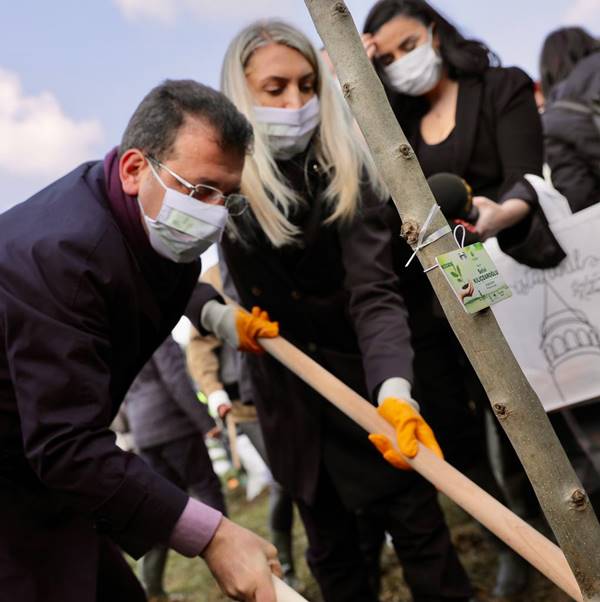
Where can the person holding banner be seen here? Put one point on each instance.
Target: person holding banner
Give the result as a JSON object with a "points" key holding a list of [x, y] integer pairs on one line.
{"points": [[314, 250]]}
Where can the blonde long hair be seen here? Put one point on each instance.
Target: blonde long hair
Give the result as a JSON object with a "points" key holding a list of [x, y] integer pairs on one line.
{"points": [[340, 149]]}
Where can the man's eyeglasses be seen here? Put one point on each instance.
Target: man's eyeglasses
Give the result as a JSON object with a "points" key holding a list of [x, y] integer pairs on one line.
{"points": [[235, 203]]}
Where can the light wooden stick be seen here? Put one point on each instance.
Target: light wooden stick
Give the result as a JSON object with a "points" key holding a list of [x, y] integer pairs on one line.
{"points": [[232, 435], [545, 556]]}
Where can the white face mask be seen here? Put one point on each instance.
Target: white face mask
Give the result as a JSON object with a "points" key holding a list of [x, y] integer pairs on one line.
{"points": [[184, 227], [418, 72], [289, 130]]}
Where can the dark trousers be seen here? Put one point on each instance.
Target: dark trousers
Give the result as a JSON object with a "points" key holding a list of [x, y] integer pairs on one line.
{"points": [[420, 535], [186, 463]]}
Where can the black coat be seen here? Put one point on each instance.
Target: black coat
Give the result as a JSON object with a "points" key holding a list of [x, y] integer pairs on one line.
{"points": [[572, 140], [498, 139], [80, 313], [335, 296]]}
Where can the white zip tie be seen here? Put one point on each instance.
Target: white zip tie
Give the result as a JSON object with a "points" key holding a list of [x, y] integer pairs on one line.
{"points": [[431, 238], [435, 236]]}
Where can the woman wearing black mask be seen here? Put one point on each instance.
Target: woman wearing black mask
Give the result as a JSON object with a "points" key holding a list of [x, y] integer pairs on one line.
{"points": [[465, 115]]}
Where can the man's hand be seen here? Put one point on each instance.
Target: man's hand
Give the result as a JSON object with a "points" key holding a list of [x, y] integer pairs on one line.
{"points": [[214, 433], [242, 563], [223, 410], [411, 430]]}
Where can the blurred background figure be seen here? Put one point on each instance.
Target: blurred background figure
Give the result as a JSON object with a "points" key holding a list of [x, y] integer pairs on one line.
{"points": [[168, 425], [221, 374], [570, 79]]}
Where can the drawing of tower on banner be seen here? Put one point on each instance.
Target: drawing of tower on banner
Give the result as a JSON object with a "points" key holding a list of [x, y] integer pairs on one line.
{"points": [[570, 343]]}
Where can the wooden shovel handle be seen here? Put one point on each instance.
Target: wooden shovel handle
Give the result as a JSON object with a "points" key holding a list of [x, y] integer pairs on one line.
{"points": [[285, 593], [544, 555]]}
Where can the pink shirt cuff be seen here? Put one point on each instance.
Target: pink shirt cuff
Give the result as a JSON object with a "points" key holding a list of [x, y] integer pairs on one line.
{"points": [[195, 528]]}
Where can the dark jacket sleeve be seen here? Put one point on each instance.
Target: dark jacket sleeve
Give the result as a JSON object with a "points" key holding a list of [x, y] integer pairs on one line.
{"points": [[170, 365], [520, 148], [573, 154], [518, 128], [59, 354], [244, 378], [201, 294], [376, 306]]}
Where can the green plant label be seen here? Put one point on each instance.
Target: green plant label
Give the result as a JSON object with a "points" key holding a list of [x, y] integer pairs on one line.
{"points": [[474, 278]]}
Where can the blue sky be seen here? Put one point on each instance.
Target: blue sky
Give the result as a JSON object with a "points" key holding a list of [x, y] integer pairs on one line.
{"points": [[72, 71]]}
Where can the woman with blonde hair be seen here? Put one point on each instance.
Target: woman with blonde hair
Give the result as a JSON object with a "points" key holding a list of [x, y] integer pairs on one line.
{"points": [[314, 250]]}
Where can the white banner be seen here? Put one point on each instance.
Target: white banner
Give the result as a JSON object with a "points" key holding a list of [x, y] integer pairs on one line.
{"points": [[552, 321]]}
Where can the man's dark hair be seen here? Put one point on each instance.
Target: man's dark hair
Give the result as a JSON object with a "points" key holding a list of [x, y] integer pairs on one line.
{"points": [[562, 50], [155, 123]]}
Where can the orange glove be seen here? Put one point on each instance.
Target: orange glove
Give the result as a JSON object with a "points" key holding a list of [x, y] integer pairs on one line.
{"points": [[411, 430], [251, 326]]}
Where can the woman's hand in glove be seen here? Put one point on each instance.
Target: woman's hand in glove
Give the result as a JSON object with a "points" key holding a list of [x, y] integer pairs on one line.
{"points": [[237, 327], [411, 430], [251, 326]]}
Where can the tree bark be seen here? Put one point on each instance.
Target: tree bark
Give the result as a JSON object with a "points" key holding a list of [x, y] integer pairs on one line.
{"points": [[515, 404]]}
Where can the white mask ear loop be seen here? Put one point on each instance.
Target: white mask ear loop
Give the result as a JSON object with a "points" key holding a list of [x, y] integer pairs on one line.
{"points": [[155, 173]]}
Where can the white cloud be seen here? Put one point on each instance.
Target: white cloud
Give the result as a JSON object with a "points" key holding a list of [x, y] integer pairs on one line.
{"points": [[583, 12], [168, 11], [164, 11], [36, 137]]}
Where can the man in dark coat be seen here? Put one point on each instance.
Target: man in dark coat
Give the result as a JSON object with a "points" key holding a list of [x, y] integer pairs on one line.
{"points": [[95, 271], [168, 424]]}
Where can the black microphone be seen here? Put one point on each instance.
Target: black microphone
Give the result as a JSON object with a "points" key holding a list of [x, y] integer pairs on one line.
{"points": [[454, 196]]}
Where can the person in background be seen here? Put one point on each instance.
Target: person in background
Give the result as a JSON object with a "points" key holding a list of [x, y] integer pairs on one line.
{"points": [[315, 251], [570, 78], [95, 271], [221, 374], [464, 115], [168, 425]]}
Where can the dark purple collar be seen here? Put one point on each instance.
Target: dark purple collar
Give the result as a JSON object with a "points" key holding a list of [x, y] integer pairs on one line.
{"points": [[125, 208]]}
